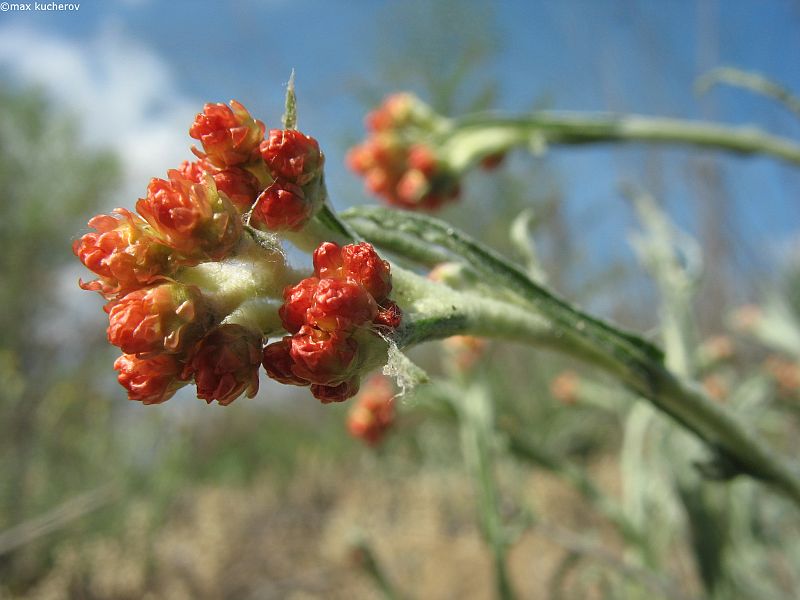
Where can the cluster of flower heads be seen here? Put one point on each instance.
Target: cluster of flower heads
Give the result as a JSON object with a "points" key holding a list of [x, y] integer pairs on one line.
{"points": [[373, 414], [327, 316], [172, 332], [396, 162]]}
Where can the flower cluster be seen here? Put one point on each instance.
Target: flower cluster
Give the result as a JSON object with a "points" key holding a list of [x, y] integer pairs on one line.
{"points": [[332, 318], [396, 161], [373, 415], [170, 325], [277, 177]]}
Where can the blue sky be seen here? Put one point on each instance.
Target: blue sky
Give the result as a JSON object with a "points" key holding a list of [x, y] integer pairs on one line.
{"points": [[136, 71]]}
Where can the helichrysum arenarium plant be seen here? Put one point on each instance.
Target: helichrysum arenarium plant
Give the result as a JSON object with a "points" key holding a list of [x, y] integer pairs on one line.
{"points": [[200, 290]]}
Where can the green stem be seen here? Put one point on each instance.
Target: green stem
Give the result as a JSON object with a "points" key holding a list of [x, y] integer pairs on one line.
{"points": [[476, 424], [435, 311], [478, 136]]}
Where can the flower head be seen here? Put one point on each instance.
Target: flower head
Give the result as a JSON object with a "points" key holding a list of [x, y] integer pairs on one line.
{"points": [[361, 263], [565, 387], [283, 206], [163, 318], [229, 135], [297, 299], [398, 161], [335, 393], [322, 357], [396, 110], [239, 185], [193, 218], [278, 362], [123, 252], [292, 156], [328, 260], [346, 299], [150, 380], [341, 305], [225, 364], [389, 315], [374, 413]]}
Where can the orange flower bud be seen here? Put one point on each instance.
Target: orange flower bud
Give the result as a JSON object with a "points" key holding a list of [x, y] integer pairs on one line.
{"points": [[328, 260], [374, 413], [225, 364], [230, 136], [340, 305], [335, 393], [150, 380], [239, 185], [292, 156], [564, 388], [163, 318], [465, 350], [278, 362], [361, 263], [122, 252], [193, 218], [322, 357], [297, 299], [395, 111], [389, 315], [283, 206], [422, 158]]}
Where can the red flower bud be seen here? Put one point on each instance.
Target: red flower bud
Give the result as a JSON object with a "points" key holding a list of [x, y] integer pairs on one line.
{"points": [[239, 185], [359, 158], [192, 217], [297, 299], [225, 364], [492, 161], [230, 137], [395, 111], [322, 357], [413, 188], [361, 263], [389, 315], [328, 260], [422, 158], [150, 380], [278, 362], [374, 414], [292, 156], [122, 252], [335, 393], [341, 305], [464, 350], [166, 317], [283, 206], [195, 171]]}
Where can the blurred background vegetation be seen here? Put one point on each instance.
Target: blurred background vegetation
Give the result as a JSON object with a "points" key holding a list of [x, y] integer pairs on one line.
{"points": [[583, 493]]}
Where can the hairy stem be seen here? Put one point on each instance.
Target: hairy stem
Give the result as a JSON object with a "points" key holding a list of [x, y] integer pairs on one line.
{"points": [[478, 136], [434, 311]]}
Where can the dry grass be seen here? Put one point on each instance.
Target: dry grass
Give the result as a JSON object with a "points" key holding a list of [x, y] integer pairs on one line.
{"points": [[258, 542]]}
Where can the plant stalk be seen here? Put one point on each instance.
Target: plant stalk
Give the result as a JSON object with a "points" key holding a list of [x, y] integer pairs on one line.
{"points": [[434, 311], [477, 136]]}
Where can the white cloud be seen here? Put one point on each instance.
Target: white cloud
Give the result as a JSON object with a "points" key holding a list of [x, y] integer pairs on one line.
{"points": [[122, 91], [126, 99]]}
